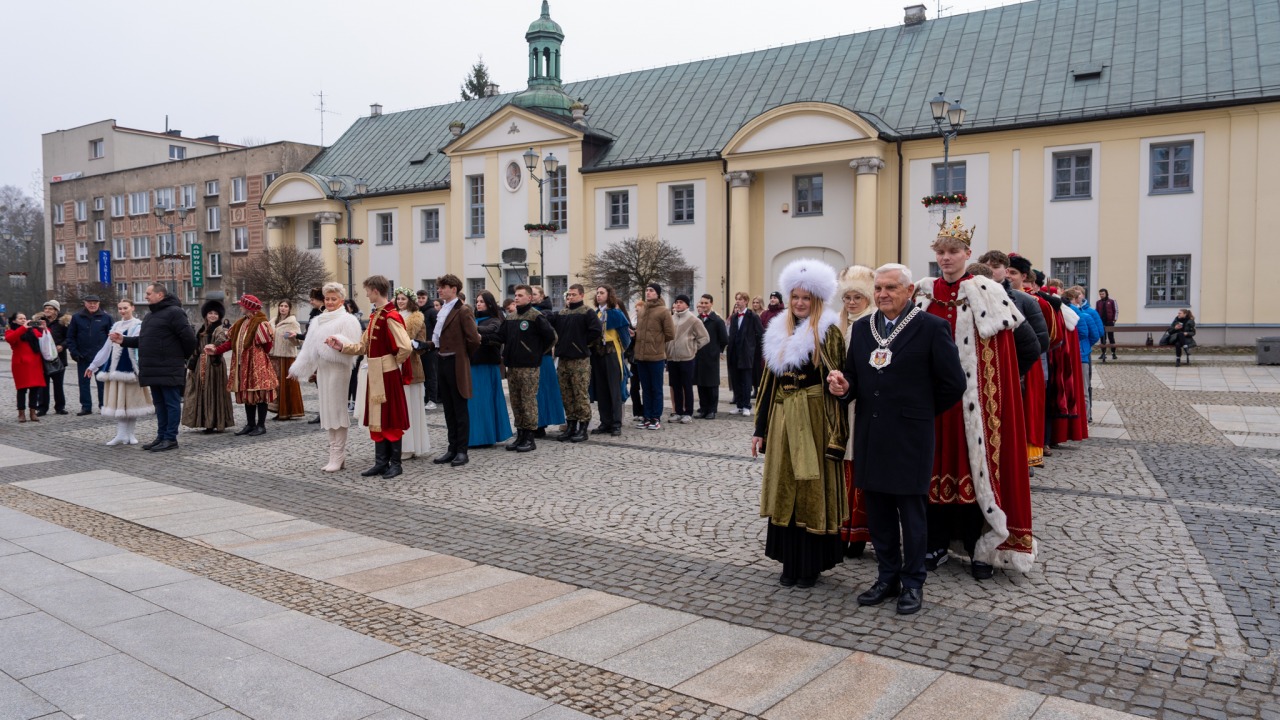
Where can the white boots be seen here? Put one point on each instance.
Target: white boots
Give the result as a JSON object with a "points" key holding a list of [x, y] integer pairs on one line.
{"points": [[132, 427], [124, 432], [337, 450]]}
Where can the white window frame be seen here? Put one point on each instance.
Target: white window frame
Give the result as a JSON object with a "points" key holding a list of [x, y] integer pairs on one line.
{"points": [[558, 199], [166, 244], [163, 197], [213, 266], [268, 178], [97, 149], [239, 239], [139, 203], [98, 204], [59, 214], [122, 289], [82, 210], [189, 291], [213, 219], [385, 227], [119, 206], [431, 225], [60, 254], [682, 205], [475, 206], [188, 196], [140, 291], [82, 251], [211, 188], [177, 152], [141, 247], [618, 204], [238, 190], [808, 195], [189, 238], [119, 248], [99, 231]]}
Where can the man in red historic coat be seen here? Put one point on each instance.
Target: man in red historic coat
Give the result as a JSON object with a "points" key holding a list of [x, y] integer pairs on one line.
{"points": [[1036, 392], [1074, 424], [385, 345], [980, 492], [1059, 382]]}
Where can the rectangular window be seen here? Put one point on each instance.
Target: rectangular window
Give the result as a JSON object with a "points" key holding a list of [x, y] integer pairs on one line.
{"points": [[240, 239], [386, 224], [237, 190], [60, 254], [17, 281], [1072, 271], [188, 239], [619, 209], [682, 283], [1171, 167], [213, 219], [99, 230], [681, 204], [475, 286], [188, 196], [58, 216], [164, 198], [177, 152], [117, 206], [1168, 280], [213, 267], [97, 149], [1073, 175], [557, 286], [314, 241], [139, 203], [269, 178], [957, 182], [98, 204], [559, 208], [122, 289], [189, 291], [808, 193], [141, 247], [119, 248], [82, 252], [475, 200], [140, 292], [166, 245], [210, 188], [430, 287], [431, 226], [82, 211]]}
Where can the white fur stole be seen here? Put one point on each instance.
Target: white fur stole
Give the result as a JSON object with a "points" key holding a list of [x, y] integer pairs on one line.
{"points": [[783, 352]]}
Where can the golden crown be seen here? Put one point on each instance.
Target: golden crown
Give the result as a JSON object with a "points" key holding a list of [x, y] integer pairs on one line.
{"points": [[955, 230]]}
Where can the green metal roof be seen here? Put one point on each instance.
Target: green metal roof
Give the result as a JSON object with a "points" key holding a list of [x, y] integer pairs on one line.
{"points": [[1011, 66]]}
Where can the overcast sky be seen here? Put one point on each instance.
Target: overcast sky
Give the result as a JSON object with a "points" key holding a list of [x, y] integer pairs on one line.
{"points": [[251, 69]]}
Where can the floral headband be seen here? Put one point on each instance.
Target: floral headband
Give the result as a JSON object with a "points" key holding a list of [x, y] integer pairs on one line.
{"points": [[405, 292]]}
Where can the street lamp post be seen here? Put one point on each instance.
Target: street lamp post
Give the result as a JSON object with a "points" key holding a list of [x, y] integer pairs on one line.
{"points": [[174, 258], [551, 165], [954, 113], [342, 187]]}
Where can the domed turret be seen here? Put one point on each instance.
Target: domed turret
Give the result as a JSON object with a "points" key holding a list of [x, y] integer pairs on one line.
{"points": [[545, 90]]}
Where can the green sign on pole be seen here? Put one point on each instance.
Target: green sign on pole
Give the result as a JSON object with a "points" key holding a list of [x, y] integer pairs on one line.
{"points": [[197, 265]]}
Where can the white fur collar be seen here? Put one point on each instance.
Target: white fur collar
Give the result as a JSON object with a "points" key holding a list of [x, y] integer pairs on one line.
{"points": [[992, 309], [1070, 316], [783, 352]]}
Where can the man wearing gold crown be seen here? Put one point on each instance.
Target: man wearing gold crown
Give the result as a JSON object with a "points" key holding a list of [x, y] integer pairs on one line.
{"points": [[980, 493]]}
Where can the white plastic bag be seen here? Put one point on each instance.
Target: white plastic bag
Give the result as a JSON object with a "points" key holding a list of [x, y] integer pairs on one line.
{"points": [[47, 347]]}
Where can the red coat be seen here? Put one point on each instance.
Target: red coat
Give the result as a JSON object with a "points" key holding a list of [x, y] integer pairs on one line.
{"points": [[28, 365]]}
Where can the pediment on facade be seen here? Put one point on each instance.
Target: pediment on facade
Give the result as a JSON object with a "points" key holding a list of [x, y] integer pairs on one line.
{"points": [[511, 127], [295, 187], [798, 125]]}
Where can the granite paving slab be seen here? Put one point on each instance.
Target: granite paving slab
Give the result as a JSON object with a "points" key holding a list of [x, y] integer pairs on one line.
{"points": [[310, 642], [10, 606], [684, 652], [15, 525], [403, 573], [252, 685], [955, 697], [208, 603], [173, 644], [860, 687], [130, 572], [119, 687], [757, 678], [37, 643], [19, 702], [553, 616], [358, 562], [597, 640], [498, 600], [441, 587], [295, 557], [85, 602], [66, 547], [12, 456]]}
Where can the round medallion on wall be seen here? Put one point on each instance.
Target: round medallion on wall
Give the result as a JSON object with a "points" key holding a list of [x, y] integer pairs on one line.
{"points": [[515, 176]]}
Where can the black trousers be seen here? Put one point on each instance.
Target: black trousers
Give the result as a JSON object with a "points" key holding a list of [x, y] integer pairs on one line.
{"points": [[457, 419], [680, 377], [59, 395], [431, 368], [741, 381], [606, 381], [887, 516], [708, 398], [637, 400], [955, 522], [28, 393]]}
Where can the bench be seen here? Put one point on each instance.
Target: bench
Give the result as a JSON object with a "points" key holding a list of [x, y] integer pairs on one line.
{"points": [[1151, 331]]}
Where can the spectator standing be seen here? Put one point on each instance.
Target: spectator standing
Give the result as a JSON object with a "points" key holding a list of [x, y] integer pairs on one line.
{"points": [[487, 406], [164, 343], [1108, 311], [26, 363], [117, 368], [1090, 331], [745, 334], [654, 329], [608, 378], [690, 336], [55, 323], [86, 334], [637, 396], [857, 300], [706, 371], [286, 339]]}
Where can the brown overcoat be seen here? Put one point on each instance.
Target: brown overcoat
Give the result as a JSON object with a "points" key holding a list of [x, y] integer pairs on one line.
{"points": [[460, 337]]}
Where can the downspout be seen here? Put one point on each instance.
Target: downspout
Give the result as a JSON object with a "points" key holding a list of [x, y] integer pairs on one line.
{"points": [[728, 249], [901, 179]]}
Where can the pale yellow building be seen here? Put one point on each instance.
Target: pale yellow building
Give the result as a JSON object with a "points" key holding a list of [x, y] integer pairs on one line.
{"points": [[1125, 146]]}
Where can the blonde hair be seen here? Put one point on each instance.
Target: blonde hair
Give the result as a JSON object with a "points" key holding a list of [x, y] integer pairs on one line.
{"points": [[336, 288], [815, 314]]}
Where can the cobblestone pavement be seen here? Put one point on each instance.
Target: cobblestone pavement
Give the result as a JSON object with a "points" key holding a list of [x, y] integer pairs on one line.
{"points": [[1154, 593]]}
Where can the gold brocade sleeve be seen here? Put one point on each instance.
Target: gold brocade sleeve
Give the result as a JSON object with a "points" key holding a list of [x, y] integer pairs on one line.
{"points": [[837, 420], [400, 337]]}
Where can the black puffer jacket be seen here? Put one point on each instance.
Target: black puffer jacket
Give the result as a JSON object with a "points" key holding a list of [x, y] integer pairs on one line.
{"points": [[491, 339], [526, 338], [164, 344]]}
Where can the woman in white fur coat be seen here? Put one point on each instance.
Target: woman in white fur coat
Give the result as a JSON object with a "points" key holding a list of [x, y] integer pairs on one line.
{"points": [[117, 368], [331, 369]]}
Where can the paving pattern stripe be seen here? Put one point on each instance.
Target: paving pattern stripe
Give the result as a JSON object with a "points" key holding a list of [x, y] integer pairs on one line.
{"points": [[565, 682]]}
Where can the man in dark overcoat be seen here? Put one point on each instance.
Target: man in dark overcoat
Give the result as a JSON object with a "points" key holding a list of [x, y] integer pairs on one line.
{"points": [[902, 369], [706, 366], [745, 334]]}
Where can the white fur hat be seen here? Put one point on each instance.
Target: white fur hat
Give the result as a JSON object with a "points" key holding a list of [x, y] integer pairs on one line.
{"points": [[858, 278], [813, 276]]}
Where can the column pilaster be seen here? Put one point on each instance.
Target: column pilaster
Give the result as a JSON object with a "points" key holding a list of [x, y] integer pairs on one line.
{"points": [[865, 203], [739, 231]]}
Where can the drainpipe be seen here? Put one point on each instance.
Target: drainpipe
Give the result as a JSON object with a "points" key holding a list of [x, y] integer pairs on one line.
{"points": [[728, 251], [901, 179]]}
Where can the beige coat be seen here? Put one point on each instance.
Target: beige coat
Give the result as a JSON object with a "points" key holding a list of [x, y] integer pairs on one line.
{"points": [[282, 346], [691, 335], [654, 329]]}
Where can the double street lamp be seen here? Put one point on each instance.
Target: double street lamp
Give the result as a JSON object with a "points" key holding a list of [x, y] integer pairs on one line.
{"points": [[342, 187], [953, 113], [174, 257], [551, 165]]}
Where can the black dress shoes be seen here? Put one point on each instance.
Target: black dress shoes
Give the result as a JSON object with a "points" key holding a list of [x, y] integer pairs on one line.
{"points": [[259, 430], [616, 431], [806, 581], [165, 445], [786, 580], [981, 571], [447, 457], [459, 459], [314, 422], [152, 444], [245, 430], [709, 416], [855, 549], [910, 600], [879, 592]]}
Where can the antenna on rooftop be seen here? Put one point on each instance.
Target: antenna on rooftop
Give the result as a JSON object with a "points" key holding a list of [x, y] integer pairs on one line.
{"points": [[941, 9], [320, 108]]}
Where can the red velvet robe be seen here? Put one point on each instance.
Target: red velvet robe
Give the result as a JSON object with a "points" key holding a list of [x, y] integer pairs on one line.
{"points": [[1004, 434], [377, 341], [1076, 425]]}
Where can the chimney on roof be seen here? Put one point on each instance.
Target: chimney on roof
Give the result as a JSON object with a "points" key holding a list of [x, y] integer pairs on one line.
{"points": [[375, 110], [914, 15], [209, 138], [173, 133]]}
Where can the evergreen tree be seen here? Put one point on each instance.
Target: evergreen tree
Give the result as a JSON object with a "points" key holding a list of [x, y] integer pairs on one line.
{"points": [[475, 84]]}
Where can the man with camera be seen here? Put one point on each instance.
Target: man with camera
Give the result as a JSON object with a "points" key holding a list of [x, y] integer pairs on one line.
{"points": [[53, 319]]}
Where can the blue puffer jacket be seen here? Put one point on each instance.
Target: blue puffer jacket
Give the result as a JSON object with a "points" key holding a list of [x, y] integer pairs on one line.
{"points": [[1089, 328]]}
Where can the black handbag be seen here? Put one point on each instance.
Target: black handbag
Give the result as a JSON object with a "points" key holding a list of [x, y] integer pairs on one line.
{"points": [[1166, 338], [52, 367]]}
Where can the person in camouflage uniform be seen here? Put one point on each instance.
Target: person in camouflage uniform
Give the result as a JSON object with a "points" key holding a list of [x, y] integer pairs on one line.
{"points": [[577, 334], [526, 337]]}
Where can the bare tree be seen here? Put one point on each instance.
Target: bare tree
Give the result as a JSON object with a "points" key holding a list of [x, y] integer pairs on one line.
{"points": [[22, 249], [630, 265], [285, 273], [72, 295]]}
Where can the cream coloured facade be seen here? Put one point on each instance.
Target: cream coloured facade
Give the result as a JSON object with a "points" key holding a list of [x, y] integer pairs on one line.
{"points": [[1162, 208]]}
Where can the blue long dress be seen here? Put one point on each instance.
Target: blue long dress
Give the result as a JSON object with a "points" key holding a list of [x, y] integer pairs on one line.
{"points": [[487, 404], [550, 404]]}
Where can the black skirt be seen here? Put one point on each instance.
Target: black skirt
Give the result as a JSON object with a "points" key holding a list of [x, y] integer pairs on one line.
{"points": [[802, 553]]}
